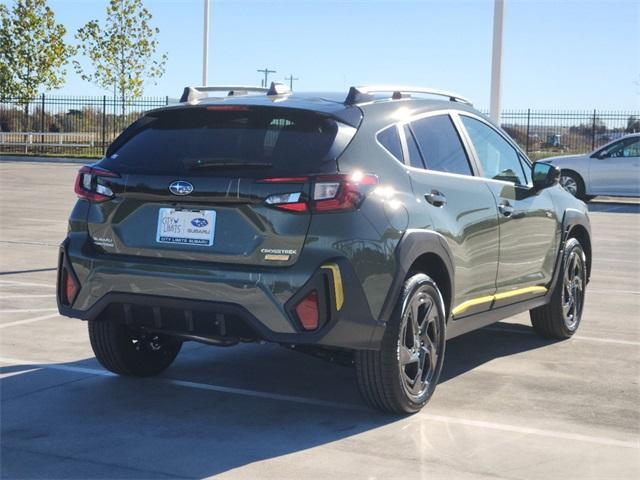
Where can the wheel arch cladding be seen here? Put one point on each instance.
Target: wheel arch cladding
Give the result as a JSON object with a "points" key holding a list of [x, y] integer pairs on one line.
{"points": [[427, 252], [575, 224], [434, 267], [582, 235]]}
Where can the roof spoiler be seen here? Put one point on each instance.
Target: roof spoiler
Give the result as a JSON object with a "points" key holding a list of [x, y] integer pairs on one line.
{"points": [[365, 93], [191, 94]]}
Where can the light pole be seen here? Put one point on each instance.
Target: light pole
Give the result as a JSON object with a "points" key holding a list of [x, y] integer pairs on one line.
{"points": [[291, 78], [205, 44], [496, 62]]}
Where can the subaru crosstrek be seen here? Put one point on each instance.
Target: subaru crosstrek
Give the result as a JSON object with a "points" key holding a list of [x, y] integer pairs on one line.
{"points": [[371, 228]]}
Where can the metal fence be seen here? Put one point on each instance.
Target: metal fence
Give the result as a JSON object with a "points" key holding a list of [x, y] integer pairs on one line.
{"points": [[62, 125], [543, 133]]}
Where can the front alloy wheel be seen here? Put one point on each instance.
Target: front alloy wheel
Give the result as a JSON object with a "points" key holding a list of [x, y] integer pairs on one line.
{"points": [[573, 290], [573, 183], [561, 317], [569, 183]]}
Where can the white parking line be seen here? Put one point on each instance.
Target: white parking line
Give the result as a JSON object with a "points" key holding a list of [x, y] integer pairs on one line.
{"points": [[12, 374], [199, 386], [13, 283], [533, 431], [576, 337], [11, 297], [28, 320], [28, 310], [323, 403], [612, 290]]}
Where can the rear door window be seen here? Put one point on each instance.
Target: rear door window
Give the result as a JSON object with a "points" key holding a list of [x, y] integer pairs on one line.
{"points": [[208, 140], [440, 145]]}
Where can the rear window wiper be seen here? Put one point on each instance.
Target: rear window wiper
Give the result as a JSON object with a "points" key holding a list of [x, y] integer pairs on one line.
{"points": [[214, 165]]}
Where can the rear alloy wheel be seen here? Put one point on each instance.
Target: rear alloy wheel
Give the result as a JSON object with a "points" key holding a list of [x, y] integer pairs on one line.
{"points": [[403, 374], [561, 316], [132, 353]]}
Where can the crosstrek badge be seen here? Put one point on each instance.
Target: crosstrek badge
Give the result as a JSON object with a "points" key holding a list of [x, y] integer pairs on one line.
{"points": [[277, 254]]}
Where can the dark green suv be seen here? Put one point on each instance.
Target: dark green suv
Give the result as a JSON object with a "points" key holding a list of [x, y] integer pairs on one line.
{"points": [[371, 228]]}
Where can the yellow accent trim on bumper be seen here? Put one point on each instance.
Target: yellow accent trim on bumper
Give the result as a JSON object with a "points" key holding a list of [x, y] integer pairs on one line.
{"points": [[337, 283], [464, 306]]}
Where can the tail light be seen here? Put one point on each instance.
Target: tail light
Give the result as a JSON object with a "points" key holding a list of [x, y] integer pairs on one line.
{"points": [[330, 193], [288, 201], [88, 187], [307, 311], [339, 193]]}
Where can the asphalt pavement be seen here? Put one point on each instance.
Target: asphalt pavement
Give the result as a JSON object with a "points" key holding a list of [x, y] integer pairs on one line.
{"points": [[509, 404]]}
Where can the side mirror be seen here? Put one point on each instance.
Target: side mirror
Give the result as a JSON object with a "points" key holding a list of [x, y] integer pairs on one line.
{"points": [[544, 175]]}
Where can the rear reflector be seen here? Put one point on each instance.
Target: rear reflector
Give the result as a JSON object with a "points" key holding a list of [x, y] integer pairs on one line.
{"points": [[70, 289], [307, 311]]}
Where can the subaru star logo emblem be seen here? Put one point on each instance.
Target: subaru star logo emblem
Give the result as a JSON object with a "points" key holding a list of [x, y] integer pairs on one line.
{"points": [[199, 222], [181, 188]]}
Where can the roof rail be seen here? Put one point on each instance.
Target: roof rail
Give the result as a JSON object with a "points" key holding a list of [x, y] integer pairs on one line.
{"points": [[364, 93], [191, 94]]}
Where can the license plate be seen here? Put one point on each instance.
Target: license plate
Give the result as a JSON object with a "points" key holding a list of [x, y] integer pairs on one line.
{"points": [[188, 227]]}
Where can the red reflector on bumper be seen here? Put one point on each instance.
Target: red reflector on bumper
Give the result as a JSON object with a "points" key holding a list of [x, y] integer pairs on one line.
{"points": [[70, 288], [307, 311]]}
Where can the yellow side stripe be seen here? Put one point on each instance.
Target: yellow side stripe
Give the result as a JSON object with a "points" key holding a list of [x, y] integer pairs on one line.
{"points": [[464, 306], [471, 303], [337, 284]]}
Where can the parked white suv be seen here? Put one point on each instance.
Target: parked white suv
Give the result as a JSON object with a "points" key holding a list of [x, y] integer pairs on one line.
{"points": [[610, 170]]}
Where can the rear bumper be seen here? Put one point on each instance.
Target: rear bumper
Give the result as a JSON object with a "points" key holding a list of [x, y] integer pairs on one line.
{"points": [[194, 298]]}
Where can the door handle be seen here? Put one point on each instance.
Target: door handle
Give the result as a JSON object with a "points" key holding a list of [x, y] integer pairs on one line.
{"points": [[436, 198], [505, 208]]}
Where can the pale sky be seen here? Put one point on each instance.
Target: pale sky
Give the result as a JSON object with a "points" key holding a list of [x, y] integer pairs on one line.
{"points": [[557, 54]]}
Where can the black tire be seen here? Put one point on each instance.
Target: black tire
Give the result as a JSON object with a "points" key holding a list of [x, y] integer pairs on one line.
{"points": [[383, 375], [574, 184], [561, 317], [126, 352]]}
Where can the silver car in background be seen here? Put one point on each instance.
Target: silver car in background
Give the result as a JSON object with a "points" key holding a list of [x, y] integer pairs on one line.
{"points": [[610, 170]]}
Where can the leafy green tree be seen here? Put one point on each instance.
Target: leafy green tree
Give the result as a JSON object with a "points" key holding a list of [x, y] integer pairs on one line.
{"points": [[122, 52], [33, 52]]}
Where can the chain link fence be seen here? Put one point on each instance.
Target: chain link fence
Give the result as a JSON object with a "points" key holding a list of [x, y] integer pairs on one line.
{"points": [[85, 126]]}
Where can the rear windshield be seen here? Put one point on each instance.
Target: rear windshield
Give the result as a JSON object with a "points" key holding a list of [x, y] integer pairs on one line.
{"points": [[208, 141]]}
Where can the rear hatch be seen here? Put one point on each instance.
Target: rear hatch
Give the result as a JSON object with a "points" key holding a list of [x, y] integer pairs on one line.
{"points": [[219, 183]]}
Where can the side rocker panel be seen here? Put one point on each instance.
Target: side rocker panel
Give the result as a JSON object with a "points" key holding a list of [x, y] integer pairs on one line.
{"points": [[571, 219]]}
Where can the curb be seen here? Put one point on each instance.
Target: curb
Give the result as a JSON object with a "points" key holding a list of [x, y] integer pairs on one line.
{"points": [[79, 161]]}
